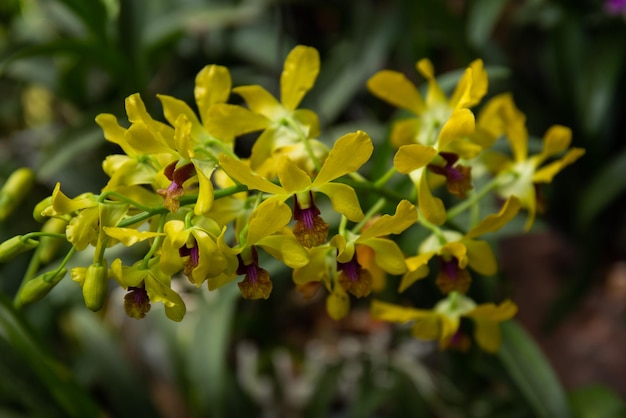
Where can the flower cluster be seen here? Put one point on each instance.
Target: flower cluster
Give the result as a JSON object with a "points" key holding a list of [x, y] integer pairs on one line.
{"points": [[182, 196]]}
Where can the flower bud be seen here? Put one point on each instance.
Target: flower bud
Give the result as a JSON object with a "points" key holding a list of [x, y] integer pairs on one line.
{"points": [[14, 246], [39, 208], [39, 287], [50, 245], [15, 188], [95, 286], [337, 304]]}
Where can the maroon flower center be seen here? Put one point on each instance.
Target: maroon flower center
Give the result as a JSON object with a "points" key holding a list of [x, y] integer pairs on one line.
{"points": [[458, 177], [310, 229], [136, 302]]}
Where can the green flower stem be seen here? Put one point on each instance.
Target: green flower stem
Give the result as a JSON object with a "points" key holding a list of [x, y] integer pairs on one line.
{"points": [[122, 197], [385, 178], [185, 200], [307, 145], [432, 227], [342, 226], [376, 207], [156, 244], [30, 235], [472, 200], [367, 186], [32, 269]]}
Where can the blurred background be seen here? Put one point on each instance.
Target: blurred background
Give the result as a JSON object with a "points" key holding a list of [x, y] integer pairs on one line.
{"points": [[62, 62]]}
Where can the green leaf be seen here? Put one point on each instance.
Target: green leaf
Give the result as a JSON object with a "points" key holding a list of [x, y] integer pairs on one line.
{"points": [[482, 18], [603, 189], [206, 359], [342, 79], [25, 363], [92, 13], [596, 402], [532, 374]]}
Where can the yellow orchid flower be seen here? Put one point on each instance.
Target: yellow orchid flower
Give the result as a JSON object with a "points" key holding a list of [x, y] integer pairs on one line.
{"points": [[197, 249], [431, 114], [442, 323], [151, 145], [284, 125], [344, 267], [265, 229], [353, 277], [87, 216], [520, 175], [456, 252], [438, 135], [145, 284], [348, 154]]}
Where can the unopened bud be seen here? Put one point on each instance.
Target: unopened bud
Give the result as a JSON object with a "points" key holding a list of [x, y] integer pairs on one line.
{"points": [[337, 304], [39, 287], [14, 246], [49, 245], [39, 208], [95, 286], [15, 188]]}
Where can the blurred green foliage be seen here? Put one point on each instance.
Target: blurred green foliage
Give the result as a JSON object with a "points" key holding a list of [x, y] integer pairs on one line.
{"points": [[64, 61]]}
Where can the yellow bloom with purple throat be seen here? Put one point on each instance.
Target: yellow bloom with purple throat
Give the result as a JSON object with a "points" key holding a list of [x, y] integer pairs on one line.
{"points": [[438, 134], [196, 246], [265, 229], [348, 154], [146, 282], [520, 176], [287, 130], [443, 322], [342, 267], [456, 252]]}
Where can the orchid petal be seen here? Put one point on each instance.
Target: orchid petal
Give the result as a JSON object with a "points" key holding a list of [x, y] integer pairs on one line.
{"points": [[228, 121], [413, 156], [212, 86], [292, 178], [301, 68], [348, 154], [405, 216], [494, 222], [344, 200], [260, 101], [394, 88], [241, 172], [461, 124]]}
